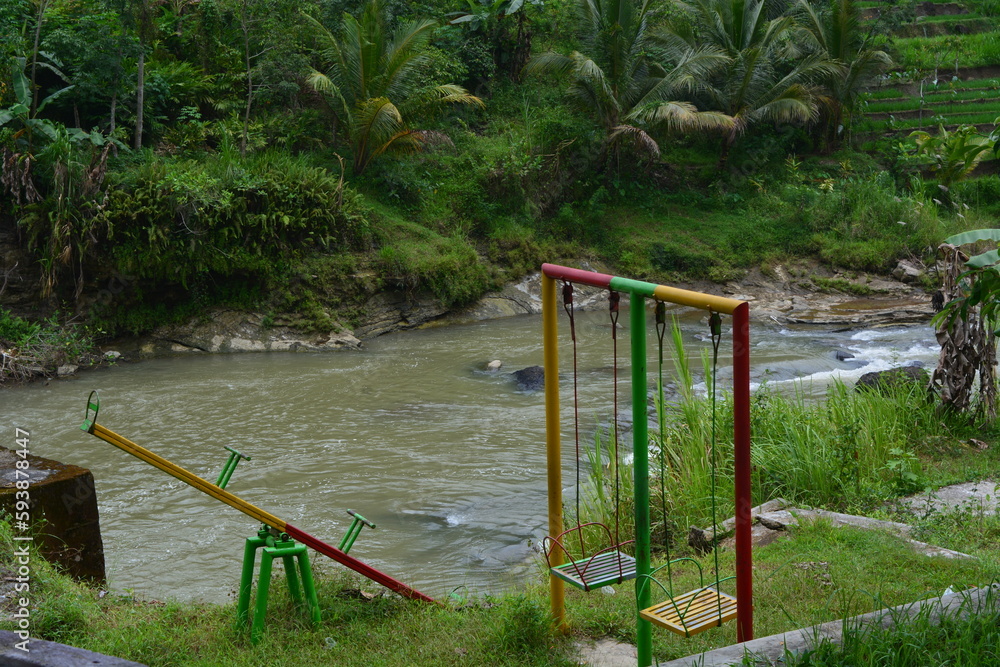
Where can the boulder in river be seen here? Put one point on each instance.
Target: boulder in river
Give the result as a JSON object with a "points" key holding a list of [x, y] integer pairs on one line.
{"points": [[531, 378], [882, 381]]}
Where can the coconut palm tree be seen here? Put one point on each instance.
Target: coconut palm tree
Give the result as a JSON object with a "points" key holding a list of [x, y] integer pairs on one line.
{"points": [[376, 78], [623, 80], [760, 81], [834, 31]]}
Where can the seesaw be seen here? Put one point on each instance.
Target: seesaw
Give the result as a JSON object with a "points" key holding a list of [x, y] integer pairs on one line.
{"points": [[216, 491]]}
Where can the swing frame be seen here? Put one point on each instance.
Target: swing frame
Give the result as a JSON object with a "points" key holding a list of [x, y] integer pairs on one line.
{"points": [[638, 292]]}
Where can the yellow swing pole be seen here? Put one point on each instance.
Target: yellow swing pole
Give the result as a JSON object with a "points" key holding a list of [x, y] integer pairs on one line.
{"points": [[553, 445]]}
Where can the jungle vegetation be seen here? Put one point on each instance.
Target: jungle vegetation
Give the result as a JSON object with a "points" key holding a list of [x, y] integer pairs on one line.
{"points": [[264, 154]]}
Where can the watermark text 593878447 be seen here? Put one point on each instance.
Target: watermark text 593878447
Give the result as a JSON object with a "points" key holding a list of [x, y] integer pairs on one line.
{"points": [[21, 560]]}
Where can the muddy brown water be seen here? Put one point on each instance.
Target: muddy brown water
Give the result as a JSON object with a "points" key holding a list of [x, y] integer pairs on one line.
{"points": [[412, 432]]}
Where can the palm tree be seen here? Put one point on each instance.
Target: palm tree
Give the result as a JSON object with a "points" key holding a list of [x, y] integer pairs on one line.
{"points": [[754, 85], [623, 83], [835, 32], [375, 76]]}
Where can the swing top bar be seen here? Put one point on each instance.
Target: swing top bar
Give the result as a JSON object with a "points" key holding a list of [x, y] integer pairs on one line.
{"points": [[683, 297]]}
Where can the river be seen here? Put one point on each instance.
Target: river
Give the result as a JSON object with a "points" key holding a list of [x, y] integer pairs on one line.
{"points": [[412, 432]]}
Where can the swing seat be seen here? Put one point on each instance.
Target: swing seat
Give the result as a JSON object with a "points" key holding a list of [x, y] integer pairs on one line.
{"points": [[605, 567], [693, 612], [602, 569]]}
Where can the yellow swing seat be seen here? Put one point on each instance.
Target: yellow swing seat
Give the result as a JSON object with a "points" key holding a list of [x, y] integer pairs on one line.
{"points": [[693, 612]]}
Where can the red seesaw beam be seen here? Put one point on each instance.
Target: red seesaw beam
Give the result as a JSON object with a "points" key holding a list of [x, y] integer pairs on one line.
{"points": [[235, 502]]}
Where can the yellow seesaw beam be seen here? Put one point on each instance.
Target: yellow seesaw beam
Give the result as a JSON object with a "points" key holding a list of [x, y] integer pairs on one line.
{"points": [[109, 436], [185, 476]]}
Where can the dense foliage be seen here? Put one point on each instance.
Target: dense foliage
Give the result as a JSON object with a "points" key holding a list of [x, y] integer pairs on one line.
{"points": [[222, 150]]}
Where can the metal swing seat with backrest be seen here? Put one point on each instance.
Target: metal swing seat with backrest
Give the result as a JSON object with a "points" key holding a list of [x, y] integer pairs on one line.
{"points": [[706, 606], [607, 565]]}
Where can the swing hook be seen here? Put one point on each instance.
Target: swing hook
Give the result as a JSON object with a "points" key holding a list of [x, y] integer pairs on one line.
{"points": [[568, 307], [614, 300], [661, 321], [715, 324]]}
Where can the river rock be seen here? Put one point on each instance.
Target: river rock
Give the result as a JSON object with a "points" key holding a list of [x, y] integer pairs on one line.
{"points": [[67, 369], [894, 377], [525, 298], [842, 355], [494, 365], [233, 331], [387, 312], [531, 378], [908, 271]]}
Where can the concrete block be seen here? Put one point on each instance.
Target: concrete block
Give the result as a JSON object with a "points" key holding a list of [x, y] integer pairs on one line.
{"points": [[62, 511]]}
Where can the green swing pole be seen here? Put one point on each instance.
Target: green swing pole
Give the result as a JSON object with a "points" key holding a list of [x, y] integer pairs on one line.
{"points": [[640, 440]]}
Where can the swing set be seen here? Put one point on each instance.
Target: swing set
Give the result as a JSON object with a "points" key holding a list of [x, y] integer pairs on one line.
{"points": [[706, 606]]}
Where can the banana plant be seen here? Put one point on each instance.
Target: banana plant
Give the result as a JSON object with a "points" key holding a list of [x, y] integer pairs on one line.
{"points": [[953, 155], [19, 116], [481, 12]]}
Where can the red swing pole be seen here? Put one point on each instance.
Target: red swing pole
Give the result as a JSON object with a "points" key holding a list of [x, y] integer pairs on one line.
{"points": [[741, 455]]}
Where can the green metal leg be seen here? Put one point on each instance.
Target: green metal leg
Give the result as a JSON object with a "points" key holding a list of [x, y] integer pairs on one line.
{"points": [[292, 577], [260, 608], [246, 579], [310, 589]]}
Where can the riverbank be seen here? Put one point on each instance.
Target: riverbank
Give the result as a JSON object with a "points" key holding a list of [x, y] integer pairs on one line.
{"points": [[802, 292]]}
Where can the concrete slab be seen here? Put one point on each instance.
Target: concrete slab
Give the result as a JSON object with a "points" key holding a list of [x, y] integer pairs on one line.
{"points": [[607, 653], [16, 652], [981, 496]]}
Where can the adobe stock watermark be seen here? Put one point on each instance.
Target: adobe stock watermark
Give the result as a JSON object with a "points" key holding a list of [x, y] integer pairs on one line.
{"points": [[21, 560], [115, 285]]}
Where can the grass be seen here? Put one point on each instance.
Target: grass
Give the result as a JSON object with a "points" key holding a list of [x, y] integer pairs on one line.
{"points": [[935, 98], [47, 343], [818, 574], [969, 641], [942, 86], [929, 121], [852, 452], [947, 52]]}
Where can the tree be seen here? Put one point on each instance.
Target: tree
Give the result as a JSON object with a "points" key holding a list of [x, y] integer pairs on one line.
{"points": [[969, 303], [622, 80], [374, 81], [759, 82], [834, 32]]}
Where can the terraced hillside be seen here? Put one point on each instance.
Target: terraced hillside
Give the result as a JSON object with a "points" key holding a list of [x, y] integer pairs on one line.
{"points": [[947, 69]]}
